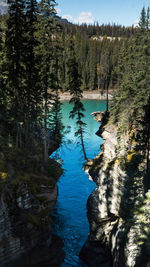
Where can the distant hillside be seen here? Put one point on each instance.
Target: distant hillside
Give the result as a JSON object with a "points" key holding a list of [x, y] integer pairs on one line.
{"points": [[59, 18], [3, 7]]}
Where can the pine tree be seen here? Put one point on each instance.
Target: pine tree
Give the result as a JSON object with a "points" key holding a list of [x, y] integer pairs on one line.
{"points": [[33, 91], [121, 64], [146, 123], [47, 34], [56, 116], [92, 65], [3, 96], [130, 107], [74, 87], [15, 46], [98, 75], [143, 20], [31, 45], [105, 71], [148, 18]]}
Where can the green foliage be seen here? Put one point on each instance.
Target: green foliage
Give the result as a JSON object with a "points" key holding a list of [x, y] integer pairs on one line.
{"points": [[142, 217], [74, 83], [130, 106], [144, 22], [39, 57], [29, 64], [34, 220], [134, 91], [49, 53]]}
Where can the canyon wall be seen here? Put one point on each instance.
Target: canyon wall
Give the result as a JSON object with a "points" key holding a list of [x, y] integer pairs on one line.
{"points": [[119, 208]]}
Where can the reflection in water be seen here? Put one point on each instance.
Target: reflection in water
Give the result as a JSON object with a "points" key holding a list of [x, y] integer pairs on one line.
{"points": [[70, 220]]}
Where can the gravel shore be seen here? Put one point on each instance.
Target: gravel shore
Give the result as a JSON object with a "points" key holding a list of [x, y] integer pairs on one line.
{"points": [[95, 95]]}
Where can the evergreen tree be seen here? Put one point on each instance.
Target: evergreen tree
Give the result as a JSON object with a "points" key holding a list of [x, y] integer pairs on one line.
{"points": [[3, 95], [105, 71], [143, 19], [15, 46], [33, 90], [119, 68], [92, 65], [134, 94], [98, 75], [45, 33], [74, 88], [48, 31], [146, 123], [56, 116], [148, 18]]}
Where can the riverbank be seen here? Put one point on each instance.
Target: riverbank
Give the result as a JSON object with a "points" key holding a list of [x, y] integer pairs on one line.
{"points": [[93, 95]]}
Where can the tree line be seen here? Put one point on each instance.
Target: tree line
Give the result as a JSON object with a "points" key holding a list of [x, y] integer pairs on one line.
{"points": [[29, 53], [130, 108], [97, 50], [41, 56], [31, 57]]}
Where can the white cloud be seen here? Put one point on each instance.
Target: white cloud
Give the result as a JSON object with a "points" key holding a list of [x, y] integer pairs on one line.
{"points": [[58, 10], [68, 17], [136, 23], [85, 17]]}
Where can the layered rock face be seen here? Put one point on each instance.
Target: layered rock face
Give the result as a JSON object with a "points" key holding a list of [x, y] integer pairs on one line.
{"points": [[25, 227], [118, 235]]}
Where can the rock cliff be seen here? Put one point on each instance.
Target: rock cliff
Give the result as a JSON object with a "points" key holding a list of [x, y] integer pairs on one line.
{"points": [[25, 226], [119, 220]]}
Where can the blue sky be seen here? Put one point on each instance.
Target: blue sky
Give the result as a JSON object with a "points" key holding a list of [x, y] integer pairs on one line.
{"points": [[125, 12]]}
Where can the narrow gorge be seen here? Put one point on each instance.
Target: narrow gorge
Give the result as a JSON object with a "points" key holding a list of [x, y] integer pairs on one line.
{"points": [[68, 196]]}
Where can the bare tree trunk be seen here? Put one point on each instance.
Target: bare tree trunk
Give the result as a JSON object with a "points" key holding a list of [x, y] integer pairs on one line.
{"points": [[17, 136], [20, 137], [45, 135], [83, 147], [45, 117], [107, 107], [148, 148]]}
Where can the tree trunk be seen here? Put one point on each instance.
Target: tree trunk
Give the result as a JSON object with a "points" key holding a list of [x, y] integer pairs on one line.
{"points": [[45, 135], [45, 119], [148, 148], [83, 147], [17, 136], [107, 107]]}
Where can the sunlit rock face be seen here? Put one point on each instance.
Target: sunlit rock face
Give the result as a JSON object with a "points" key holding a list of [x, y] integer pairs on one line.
{"points": [[25, 229], [116, 231]]}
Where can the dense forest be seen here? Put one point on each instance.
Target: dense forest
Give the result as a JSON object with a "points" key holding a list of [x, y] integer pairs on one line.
{"points": [[97, 51], [130, 108], [41, 55]]}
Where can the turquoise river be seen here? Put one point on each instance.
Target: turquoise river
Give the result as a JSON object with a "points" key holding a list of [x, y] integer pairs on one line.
{"points": [[70, 220]]}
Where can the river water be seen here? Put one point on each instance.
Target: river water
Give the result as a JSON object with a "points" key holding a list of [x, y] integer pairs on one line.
{"points": [[70, 220]]}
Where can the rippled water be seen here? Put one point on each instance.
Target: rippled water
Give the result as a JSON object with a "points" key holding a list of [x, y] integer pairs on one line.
{"points": [[70, 219]]}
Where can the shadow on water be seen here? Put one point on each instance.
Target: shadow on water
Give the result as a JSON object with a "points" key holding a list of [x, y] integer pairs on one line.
{"points": [[70, 218]]}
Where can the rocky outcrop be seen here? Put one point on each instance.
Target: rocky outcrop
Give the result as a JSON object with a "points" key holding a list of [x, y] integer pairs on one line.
{"points": [[25, 226], [119, 224]]}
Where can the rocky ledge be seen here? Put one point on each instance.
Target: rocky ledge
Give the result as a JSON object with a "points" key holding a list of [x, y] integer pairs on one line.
{"points": [[119, 208], [25, 225]]}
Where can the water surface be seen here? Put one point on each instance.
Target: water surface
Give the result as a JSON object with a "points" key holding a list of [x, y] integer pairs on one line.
{"points": [[70, 218]]}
